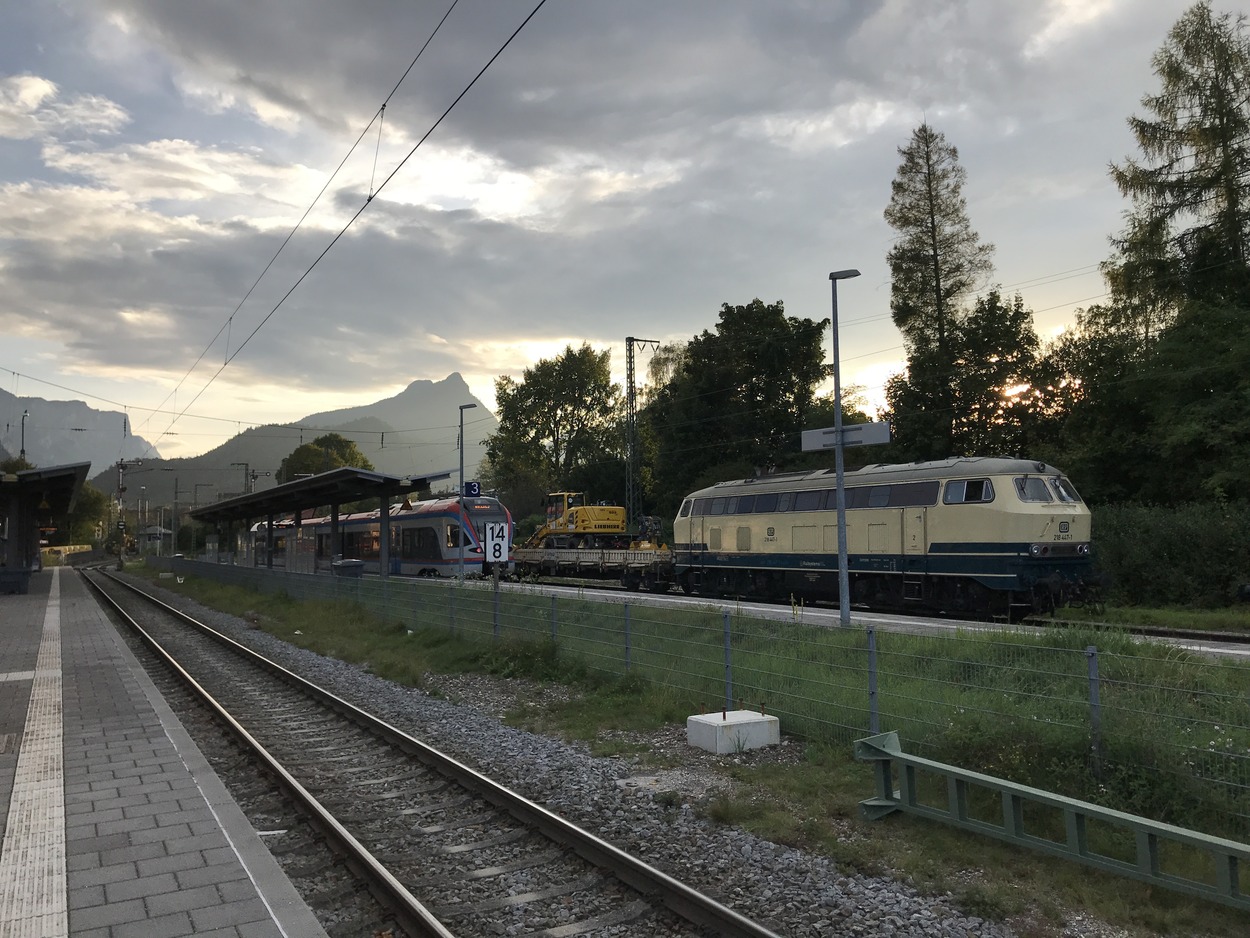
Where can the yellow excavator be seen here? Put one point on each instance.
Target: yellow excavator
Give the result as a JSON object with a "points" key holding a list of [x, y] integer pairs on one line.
{"points": [[574, 523]]}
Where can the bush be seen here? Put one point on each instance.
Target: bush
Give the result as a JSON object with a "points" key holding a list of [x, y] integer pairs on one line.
{"points": [[1195, 555]]}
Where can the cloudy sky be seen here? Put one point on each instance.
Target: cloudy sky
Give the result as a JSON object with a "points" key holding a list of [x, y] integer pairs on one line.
{"points": [[620, 169]]}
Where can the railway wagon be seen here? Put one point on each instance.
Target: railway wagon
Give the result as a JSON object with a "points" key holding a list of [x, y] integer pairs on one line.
{"points": [[425, 539], [985, 536]]}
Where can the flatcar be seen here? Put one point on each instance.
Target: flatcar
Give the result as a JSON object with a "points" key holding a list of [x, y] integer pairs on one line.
{"points": [[425, 539], [987, 537]]}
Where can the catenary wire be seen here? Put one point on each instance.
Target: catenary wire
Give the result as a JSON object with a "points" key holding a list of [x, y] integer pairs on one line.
{"points": [[317, 198], [360, 211]]}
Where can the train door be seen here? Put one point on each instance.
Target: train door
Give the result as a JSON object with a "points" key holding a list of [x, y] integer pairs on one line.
{"points": [[698, 551], [914, 530]]}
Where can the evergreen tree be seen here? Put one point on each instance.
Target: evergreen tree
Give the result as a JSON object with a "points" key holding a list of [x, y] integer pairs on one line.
{"points": [[937, 260], [1187, 233]]}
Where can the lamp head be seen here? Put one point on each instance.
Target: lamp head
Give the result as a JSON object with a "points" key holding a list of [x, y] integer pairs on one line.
{"points": [[843, 274]]}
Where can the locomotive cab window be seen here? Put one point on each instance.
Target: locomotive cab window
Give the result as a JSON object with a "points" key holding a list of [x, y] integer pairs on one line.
{"points": [[1032, 489], [1064, 490], [685, 508], [964, 491]]}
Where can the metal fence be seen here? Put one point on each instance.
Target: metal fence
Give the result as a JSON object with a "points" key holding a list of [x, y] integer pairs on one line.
{"points": [[1145, 728]]}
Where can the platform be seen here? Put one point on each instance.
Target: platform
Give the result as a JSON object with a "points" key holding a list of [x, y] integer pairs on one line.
{"points": [[112, 823]]}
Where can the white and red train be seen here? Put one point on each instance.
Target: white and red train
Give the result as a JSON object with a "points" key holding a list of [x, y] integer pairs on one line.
{"points": [[425, 539]]}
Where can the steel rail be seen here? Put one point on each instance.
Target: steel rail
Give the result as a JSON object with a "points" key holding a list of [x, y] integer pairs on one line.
{"points": [[683, 900], [409, 910]]}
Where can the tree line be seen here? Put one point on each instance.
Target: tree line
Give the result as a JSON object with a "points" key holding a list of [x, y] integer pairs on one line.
{"points": [[1145, 398]]}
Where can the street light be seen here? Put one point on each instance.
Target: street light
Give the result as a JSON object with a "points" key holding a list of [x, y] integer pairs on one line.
{"points": [[844, 577], [460, 492]]}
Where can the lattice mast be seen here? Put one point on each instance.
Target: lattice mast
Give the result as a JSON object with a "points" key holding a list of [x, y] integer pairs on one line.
{"points": [[631, 432]]}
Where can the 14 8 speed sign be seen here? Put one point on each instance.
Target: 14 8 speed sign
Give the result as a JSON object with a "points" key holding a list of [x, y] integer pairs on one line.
{"points": [[496, 542]]}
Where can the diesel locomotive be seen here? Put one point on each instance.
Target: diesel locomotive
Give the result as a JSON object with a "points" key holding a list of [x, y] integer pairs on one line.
{"points": [[980, 537]]}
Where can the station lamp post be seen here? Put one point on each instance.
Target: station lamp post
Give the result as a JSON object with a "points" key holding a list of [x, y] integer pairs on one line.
{"points": [[844, 577], [460, 489]]}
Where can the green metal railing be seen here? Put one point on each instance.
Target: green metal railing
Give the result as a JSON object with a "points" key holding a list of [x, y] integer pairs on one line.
{"points": [[1153, 843]]}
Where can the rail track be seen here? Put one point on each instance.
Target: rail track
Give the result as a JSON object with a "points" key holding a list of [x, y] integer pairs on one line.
{"points": [[883, 619], [421, 844]]}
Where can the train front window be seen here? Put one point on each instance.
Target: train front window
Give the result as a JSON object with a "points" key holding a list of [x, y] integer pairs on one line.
{"points": [[1032, 489], [685, 508], [1064, 490]]}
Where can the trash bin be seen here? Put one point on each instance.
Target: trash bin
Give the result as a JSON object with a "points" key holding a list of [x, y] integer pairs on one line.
{"points": [[352, 568], [15, 580]]}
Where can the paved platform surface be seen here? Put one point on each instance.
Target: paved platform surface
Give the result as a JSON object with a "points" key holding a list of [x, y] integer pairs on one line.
{"points": [[112, 824]]}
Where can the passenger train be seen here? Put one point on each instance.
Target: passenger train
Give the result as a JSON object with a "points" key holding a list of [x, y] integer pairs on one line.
{"points": [[425, 539], [990, 537]]}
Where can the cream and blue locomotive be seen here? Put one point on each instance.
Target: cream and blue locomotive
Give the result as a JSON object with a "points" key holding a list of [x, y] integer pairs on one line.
{"points": [[990, 537]]}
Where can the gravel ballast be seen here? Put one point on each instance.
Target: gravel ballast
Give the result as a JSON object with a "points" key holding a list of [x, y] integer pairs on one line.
{"points": [[650, 813]]}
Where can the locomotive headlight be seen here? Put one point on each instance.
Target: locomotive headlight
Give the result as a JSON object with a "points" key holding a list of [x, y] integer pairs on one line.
{"points": [[1082, 549], [1039, 550]]}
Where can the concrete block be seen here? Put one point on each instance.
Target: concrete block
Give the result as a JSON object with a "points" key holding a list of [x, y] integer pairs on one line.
{"points": [[731, 731]]}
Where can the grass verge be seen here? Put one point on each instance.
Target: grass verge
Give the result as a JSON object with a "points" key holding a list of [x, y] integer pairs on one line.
{"points": [[812, 806]]}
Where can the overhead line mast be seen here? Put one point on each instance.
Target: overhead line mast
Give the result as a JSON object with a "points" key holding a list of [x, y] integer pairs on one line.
{"points": [[631, 432]]}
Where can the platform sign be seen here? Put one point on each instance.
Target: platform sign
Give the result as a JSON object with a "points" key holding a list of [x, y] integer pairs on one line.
{"points": [[496, 541], [472, 489], [853, 434]]}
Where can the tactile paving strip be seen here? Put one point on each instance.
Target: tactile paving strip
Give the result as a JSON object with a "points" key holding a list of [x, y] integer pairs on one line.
{"points": [[33, 900]]}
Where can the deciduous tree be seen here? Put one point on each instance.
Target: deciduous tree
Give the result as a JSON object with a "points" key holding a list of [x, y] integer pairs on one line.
{"points": [[557, 424], [327, 452], [737, 397]]}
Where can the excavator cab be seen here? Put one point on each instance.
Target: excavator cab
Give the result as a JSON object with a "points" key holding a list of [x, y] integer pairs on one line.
{"points": [[572, 522]]}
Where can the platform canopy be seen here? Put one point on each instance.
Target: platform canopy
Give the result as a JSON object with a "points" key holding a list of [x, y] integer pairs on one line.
{"points": [[335, 487], [33, 499]]}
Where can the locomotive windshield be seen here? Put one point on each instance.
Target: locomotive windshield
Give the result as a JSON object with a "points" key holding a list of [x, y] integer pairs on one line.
{"points": [[1032, 489], [1064, 489]]}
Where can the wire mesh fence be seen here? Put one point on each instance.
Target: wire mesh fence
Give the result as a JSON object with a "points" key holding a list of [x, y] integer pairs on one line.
{"points": [[1144, 728]]}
